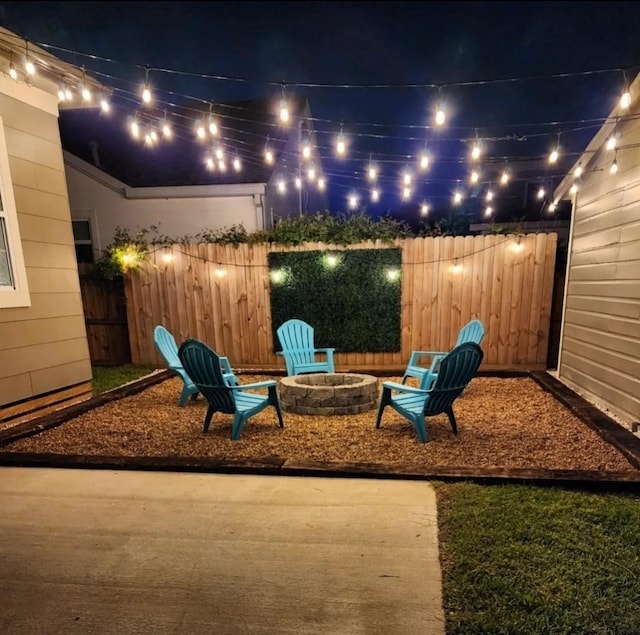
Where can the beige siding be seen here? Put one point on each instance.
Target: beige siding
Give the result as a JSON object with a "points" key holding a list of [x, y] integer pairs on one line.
{"points": [[42, 347], [600, 348]]}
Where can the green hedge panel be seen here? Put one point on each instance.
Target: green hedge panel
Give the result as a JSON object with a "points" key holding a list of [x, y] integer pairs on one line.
{"points": [[353, 307]]}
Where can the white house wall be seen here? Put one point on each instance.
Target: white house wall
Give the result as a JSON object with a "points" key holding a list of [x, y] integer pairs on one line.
{"points": [[600, 347], [107, 208]]}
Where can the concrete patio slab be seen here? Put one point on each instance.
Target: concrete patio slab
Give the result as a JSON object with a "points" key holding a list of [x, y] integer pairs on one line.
{"points": [[98, 551]]}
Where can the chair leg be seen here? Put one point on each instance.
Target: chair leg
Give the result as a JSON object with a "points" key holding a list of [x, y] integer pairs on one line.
{"points": [[207, 419], [236, 427], [184, 395], [273, 399], [452, 419], [385, 400], [420, 427]]}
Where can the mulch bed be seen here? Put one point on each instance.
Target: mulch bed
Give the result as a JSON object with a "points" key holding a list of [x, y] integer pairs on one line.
{"points": [[506, 426]]}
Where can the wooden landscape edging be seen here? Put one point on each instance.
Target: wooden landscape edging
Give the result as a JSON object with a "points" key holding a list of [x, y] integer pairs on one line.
{"points": [[623, 440], [34, 426]]}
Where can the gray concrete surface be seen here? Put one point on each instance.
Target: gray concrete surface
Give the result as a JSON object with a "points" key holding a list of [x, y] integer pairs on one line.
{"points": [[92, 551]]}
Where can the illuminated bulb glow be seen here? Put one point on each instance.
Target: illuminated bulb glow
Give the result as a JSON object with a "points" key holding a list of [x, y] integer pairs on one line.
{"points": [[167, 256], [13, 73], [489, 196], [475, 152], [406, 193], [441, 117], [392, 275], [552, 207], [220, 273], [200, 131], [68, 94], [331, 261], [311, 174], [504, 178], [488, 210], [146, 94], [574, 189], [268, 155], [553, 157], [373, 174], [29, 67], [424, 162], [578, 171], [614, 167], [353, 201], [61, 94], [166, 130], [456, 268], [298, 182], [237, 166], [424, 209], [210, 163], [457, 197], [611, 143], [213, 128], [277, 275], [154, 135], [222, 165], [625, 100], [517, 246], [341, 147], [135, 129], [306, 151], [219, 153], [86, 94], [406, 179], [475, 176], [541, 192], [375, 195], [104, 105], [284, 111], [282, 188], [321, 184]]}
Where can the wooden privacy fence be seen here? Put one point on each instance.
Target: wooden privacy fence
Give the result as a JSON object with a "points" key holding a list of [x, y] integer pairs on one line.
{"points": [[220, 294]]}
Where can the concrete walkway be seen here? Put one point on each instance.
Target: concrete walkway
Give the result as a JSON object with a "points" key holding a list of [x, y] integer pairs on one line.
{"points": [[92, 551]]}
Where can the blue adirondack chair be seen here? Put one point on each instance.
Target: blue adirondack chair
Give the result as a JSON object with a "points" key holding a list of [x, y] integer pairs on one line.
{"points": [[166, 345], [203, 366], [299, 351], [473, 331], [457, 368]]}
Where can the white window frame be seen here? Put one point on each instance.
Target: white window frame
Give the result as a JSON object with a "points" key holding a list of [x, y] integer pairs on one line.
{"points": [[18, 294]]}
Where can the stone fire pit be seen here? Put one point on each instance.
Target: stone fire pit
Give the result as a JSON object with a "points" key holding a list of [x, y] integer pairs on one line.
{"points": [[329, 393]]}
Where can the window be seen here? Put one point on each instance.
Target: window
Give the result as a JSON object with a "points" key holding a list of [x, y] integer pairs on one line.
{"points": [[82, 239], [13, 277]]}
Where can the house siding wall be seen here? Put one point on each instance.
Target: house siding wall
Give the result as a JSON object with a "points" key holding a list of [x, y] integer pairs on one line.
{"points": [[175, 217], [42, 347], [600, 347]]}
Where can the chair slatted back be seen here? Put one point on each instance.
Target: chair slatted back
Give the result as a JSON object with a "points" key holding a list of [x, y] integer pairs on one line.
{"points": [[456, 371], [203, 366], [471, 332], [297, 340], [166, 345]]}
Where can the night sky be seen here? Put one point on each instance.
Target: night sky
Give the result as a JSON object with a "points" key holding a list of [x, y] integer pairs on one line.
{"points": [[363, 43]]}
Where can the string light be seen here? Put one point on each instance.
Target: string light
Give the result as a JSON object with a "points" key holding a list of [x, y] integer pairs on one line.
{"points": [[84, 89], [284, 109], [574, 189], [268, 153], [167, 131], [614, 166], [341, 146], [489, 196], [424, 209], [406, 193], [298, 183], [306, 149], [552, 206], [146, 89], [322, 184], [105, 106], [476, 149], [13, 73], [406, 178], [457, 198], [441, 114], [578, 171], [475, 176], [541, 192], [488, 210], [29, 66], [237, 164], [625, 98], [423, 160], [311, 173], [372, 172], [353, 201], [504, 178], [375, 195], [282, 187], [555, 153]]}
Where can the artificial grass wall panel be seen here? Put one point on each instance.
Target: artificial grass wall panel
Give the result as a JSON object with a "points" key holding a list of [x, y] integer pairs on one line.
{"points": [[353, 304]]}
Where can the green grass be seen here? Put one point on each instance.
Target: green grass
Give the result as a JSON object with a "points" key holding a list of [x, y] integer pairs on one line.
{"points": [[108, 377], [524, 560]]}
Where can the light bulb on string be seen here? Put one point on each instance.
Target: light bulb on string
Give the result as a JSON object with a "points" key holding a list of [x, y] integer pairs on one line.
{"points": [[219, 152], [341, 145], [167, 131], [29, 66], [353, 201], [504, 177], [475, 176], [476, 150], [306, 149], [541, 192], [298, 183], [424, 161], [212, 125], [13, 73], [488, 210], [105, 106], [578, 171], [625, 98], [375, 195], [489, 195], [201, 133], [612, 141], [222, 165], [574, 188], [284, 109], [457, 198], [282, 187], [552, 207], [424, 209], [237, 164], [322, 184], [84, 89], [146, 89], [311, 173], [372, 171], [134, 128], [555, 153], [210, 163], [406, 193], [406, 178], [268, 153], [614, 166]]}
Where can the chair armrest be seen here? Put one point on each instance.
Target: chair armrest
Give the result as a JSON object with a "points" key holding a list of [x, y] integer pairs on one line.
{"points": [[324, 350], [392, 385], [416, 354], [258, 384]]}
